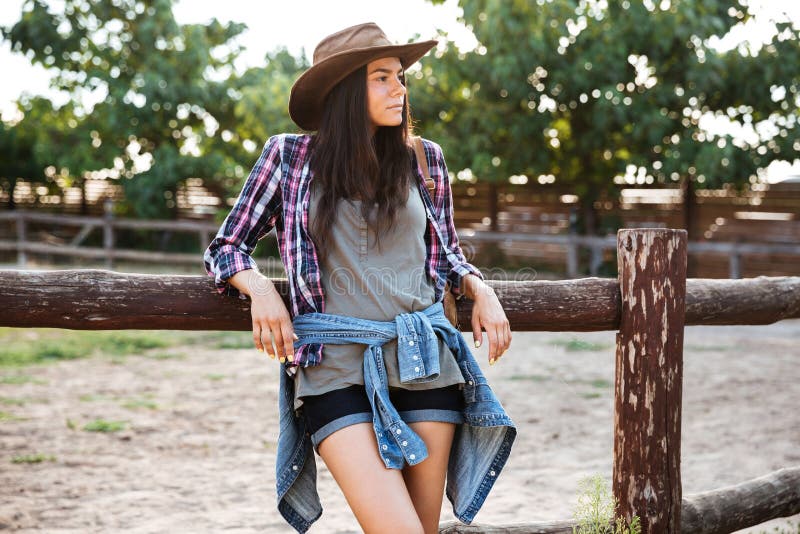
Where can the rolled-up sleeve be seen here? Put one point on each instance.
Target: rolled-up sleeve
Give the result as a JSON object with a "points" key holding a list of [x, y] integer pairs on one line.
{"points": [[461, 267], [253, 215]]}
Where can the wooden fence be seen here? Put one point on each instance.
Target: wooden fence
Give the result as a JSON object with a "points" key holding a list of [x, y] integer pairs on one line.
{"points": [[649, 305]]}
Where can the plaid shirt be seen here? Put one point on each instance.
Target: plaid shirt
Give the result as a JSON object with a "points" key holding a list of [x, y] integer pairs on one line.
{"points": [[276, 194]]}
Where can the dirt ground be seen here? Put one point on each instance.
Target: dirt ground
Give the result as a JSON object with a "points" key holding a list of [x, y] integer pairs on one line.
{"points": [[197, 451]]}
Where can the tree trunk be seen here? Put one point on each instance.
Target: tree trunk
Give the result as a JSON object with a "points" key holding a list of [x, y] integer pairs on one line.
{"points": [[12, 204], [84, 203], [689, 220], [588, 211]]}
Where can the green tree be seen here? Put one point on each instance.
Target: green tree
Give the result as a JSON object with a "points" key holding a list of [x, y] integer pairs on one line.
{"points": [[160, 89], [587, 91]]}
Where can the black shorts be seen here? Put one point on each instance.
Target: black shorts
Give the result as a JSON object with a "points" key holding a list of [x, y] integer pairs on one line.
{"points": [[325, 414]]}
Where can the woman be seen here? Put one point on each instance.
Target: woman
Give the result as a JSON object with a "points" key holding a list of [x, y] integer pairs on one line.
{"points": [[374, 378]]}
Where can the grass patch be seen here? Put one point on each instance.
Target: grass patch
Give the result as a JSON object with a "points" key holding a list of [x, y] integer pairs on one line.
{"points": [[165, 356], [591, 395], [143, 402], [20, 379], [32, 346], [532, 378], [706, 348], [101, 425], [11, 401], [92, 397], [32, 458], [234, 340], [575, 345], [6, 417], [215, 377]]}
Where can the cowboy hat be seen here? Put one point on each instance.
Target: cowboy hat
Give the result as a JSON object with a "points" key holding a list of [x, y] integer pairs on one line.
{"points": [[335, 57]]}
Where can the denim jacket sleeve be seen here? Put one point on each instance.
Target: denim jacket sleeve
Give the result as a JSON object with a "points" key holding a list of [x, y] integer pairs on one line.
{"points": [[253, 215]]}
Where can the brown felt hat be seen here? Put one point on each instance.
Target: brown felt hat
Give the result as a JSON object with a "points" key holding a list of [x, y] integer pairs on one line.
{"points": [[338, 55]]}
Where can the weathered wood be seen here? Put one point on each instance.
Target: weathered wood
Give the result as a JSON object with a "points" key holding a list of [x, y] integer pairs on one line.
{"points": [[751, 503], [648, 378], [95, 299], [759, 300], [718, 511], [543, 527]]}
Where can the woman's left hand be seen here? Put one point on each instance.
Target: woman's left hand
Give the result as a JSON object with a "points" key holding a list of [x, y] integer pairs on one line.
{"points": [[488, 314]]}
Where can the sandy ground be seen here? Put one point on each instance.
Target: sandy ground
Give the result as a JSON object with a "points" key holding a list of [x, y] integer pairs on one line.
{"points": [[201, 459]]}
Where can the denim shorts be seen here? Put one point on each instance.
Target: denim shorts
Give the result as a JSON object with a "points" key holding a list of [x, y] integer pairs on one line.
{"points": [[325, 414]]}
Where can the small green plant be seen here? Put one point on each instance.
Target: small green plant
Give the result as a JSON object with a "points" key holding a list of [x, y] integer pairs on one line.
{"points": [[33, 458], [215, 376], [101, 425], [594, 512], [133, 404]]}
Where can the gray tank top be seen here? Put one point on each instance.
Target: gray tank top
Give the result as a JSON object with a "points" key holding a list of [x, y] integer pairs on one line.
{"points": [[359, 280]]}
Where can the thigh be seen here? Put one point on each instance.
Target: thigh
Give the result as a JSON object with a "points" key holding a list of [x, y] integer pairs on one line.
{"points": [[377, 495], [425, 481]]}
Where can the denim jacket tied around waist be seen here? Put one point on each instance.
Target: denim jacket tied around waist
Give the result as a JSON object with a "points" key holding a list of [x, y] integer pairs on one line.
{"points": [[481, 445]]}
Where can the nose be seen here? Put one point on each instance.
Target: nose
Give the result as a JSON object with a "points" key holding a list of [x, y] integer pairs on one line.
{"points": [[399, 88]]}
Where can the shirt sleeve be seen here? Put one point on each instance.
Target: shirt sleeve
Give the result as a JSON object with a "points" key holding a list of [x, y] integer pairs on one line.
{"points": [[461, 267], [253, 215]]}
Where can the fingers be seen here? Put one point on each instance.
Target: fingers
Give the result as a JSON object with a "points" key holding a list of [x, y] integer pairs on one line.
{"points": [[258, 336], [477, 334], [288, 341]]}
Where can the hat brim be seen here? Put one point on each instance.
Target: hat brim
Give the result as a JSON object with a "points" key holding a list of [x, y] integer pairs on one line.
{"points": [[310, 89]]}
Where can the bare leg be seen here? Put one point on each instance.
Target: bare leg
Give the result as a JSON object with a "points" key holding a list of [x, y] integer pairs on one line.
{"points": [[377, 495], [425, 481]]}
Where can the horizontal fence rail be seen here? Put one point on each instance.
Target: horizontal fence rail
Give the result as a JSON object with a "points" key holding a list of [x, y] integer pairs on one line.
{"points": [[95, 299]]}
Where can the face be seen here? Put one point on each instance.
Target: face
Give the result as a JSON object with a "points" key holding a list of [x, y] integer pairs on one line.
{"points": [[386, 92]]}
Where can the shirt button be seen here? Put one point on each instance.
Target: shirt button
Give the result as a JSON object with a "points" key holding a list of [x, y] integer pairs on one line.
{"points": [[399, 431], [411, 342], [492, 472], [412, 456], [384, 447], [405, 443], [470, 382], [416, 369], [294, 468], [415, 358]]}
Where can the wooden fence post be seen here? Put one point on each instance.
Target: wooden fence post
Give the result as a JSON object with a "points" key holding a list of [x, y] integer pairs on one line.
{"points": [[649, 374], [22, 240], [108, 232], [572, 253]]}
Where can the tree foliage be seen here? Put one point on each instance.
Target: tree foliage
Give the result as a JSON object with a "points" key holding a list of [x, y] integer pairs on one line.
{"points": [[586, 91], [160, 88]]}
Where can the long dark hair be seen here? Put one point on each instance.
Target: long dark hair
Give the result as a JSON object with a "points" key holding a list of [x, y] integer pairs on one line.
{"points": [[348, 161]]}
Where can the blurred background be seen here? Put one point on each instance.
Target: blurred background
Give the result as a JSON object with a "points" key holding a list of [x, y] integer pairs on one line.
{"points": [[128, 127]]}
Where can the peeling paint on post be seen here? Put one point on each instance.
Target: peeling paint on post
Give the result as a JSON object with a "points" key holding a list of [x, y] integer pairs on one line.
{"points": [[649, 375]]}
